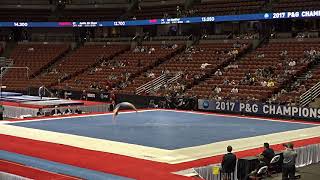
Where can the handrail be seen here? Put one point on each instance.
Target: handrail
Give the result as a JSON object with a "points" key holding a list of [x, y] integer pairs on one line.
{"points": [[159, 84], [168, 80], [4, 69], [147, 85], [155, 84], [174, 78], [310, 95]]}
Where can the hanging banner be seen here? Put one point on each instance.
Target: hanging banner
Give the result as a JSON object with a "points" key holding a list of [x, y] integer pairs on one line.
{"points": [[261, 109]]}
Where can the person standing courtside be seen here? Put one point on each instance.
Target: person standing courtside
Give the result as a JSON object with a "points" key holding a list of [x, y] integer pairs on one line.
{"points": [[41, 91], [1, 111], [289, 162], [228, 163]]}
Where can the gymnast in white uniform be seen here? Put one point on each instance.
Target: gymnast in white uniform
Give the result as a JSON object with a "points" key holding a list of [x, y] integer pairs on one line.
{"points": [[123, 104]]}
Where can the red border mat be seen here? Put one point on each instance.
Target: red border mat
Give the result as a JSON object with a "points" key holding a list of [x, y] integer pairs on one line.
{"points": [[29, 172], [117, 164]]}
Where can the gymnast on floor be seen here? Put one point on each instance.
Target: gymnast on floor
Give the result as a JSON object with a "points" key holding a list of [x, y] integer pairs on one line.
{"points": [[123, 104]]}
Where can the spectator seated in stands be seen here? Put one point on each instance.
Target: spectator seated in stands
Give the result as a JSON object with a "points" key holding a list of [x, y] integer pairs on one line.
{"points": [[104, 63], [53, 71], [93, 85], [151, 75], [218, 98], [225, 81], [237, 44], [300, 35], [64, 75], [55, 111], [204, 65], [151, 50], [292, 63], [122, 85], [197, 77], [233, 82], [284, 53], [31, 49], [267, 153], [218, 73], [77, 81], [312, 54], [247, 76], [259, 56], [264, 83], [252, 80], [270, 83], [234, 90], [309, 75], [217, 90], [112, 77], [248, 36], [136, 49], [234, 52], [231, 66], [228, 163], [302, 89]]}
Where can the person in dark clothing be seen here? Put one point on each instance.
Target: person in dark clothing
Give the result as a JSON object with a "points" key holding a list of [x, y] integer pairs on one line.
{"points": [[77, 111], [228, 163], [268, 153], [68, 110], [55, 111], [40, 112], [289, 162], [1, 111], [84, 95]]}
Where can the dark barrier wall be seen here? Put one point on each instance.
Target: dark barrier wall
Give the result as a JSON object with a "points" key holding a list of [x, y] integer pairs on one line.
{"points": [[260, 109], [161, 102], [91, 95], [138, 100]]}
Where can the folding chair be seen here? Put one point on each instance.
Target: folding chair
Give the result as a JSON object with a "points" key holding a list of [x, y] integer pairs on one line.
{"points": [[260, 174], [274, 165]]}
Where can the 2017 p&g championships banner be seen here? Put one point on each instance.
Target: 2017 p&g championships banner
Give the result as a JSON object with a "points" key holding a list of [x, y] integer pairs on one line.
{"points": [[261, 109]]}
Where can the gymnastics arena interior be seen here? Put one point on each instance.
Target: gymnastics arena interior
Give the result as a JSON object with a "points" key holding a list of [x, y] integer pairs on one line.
{"points": [[203, 74]]}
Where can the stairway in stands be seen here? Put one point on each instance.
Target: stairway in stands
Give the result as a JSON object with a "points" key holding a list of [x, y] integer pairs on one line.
{"points": [[189, 63], [142, 78], [305, 81]]}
